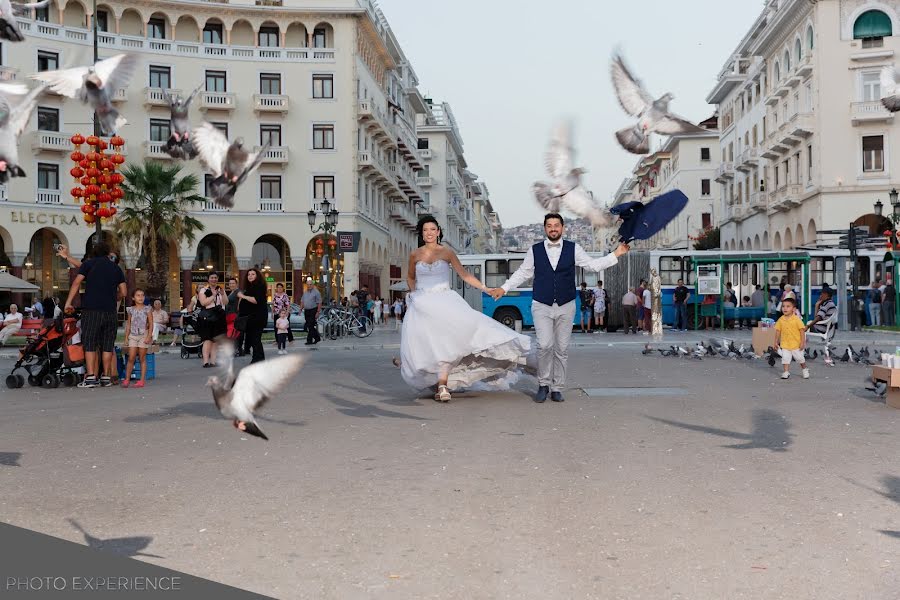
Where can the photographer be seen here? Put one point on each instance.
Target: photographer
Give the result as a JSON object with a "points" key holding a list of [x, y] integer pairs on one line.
{"points": [[211, 322]]}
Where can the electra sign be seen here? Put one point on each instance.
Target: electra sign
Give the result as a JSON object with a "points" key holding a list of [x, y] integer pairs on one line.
{"points": [[41, 218]]}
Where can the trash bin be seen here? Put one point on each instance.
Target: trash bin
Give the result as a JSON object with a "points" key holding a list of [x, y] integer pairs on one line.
{"points": [[518, 326]]}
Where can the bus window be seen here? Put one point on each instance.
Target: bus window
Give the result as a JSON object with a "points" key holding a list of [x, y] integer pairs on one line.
{"points": [[745, 275], [862, 270], [589, 277], [821, 270], [474, 270], [495, 273], [690, 274], [514, 264], [669, 269]]}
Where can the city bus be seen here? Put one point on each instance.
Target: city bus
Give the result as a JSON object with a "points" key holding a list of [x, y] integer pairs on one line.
{"points": [[494, 269]]}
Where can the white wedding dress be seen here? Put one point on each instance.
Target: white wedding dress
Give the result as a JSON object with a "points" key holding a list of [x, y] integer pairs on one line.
{"points": [[443, 334]]}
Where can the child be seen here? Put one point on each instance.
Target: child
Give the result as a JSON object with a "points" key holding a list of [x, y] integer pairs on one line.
{"points": [[745, 303], [789, 338], [282, 327], [139, 331]]}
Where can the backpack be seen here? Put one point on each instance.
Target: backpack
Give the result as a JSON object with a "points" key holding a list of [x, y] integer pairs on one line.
{"points": [[875, 296]]}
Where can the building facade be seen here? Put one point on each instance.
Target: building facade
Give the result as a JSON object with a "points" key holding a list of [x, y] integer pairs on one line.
{"points": [[806, 144], [325, 84]]}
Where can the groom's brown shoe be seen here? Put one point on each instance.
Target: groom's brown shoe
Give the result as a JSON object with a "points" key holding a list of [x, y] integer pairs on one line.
{"points": [[557, 397], [541, 394]]}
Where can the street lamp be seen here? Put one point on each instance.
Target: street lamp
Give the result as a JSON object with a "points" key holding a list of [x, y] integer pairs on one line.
{"points": [[879, 208], [328, 226]]}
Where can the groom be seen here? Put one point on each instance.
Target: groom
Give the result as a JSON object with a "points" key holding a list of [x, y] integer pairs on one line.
{"points": [[552, 264]]}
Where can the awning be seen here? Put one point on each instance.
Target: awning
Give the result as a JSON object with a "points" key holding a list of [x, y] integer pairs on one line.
{"points": [[870, 24], [11, 283]]}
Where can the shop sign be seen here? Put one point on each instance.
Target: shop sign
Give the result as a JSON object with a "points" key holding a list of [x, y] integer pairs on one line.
{"points": [[348, 241], [42, 218]]}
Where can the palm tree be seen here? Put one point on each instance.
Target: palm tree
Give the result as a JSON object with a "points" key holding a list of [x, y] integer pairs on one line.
{"points": [[155, 213]]}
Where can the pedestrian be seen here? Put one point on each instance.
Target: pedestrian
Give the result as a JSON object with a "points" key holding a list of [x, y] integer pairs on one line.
{"points": [[138, 336], [729, 300], [758, 298], [875, 294], [211, 325], [311, 301], [12, 323], [160, 320], [104, 287], [860, 302], [586, 297], [231, 312], [708, 310], [377, 313], [353, 302], [680, 297], [280, 302], [647, 303], [362, 300], [888, 297], [639, 292], [36, 309], [600, 306], [789, 338], [282, 326], [398, 312], [629, 310], [253, 306], [745, 303]]}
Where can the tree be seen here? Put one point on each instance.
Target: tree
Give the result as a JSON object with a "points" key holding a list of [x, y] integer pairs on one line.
{"points": [[708, 239], [155, 213]]}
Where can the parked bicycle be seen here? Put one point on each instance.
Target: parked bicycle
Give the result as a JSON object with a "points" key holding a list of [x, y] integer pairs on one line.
{"points": [[335, 322]]}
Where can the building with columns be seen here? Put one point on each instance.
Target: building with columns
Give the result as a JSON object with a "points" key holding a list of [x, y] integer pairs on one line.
{"points": [[806, 144], [325, 83]]}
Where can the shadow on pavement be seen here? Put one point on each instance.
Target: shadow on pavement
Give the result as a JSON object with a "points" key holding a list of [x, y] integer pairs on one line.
{"points": [[127, 546], [355, 409], [385, 395], [196, 409], [892, 484], [10, 459], [770, 430]]}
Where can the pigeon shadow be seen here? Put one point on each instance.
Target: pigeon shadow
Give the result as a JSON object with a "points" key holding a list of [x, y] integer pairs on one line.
{"points": [[769, 430], [386, 396], [891, 484], [355, 409], [206, 410], [126, 546], [867, 395], [10, 459]]}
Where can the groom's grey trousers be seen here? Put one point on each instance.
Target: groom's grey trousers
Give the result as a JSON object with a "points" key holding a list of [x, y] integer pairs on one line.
{"points": [[553, 326]]}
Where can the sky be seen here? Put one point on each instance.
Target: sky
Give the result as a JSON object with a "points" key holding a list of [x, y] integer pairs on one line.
{"points": [[510, 69]]}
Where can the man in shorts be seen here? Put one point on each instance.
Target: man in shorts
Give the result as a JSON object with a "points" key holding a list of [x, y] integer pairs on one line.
{"points": [[104, 287]]}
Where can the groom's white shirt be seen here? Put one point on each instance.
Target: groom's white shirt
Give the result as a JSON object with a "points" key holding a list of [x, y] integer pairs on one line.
{"points": [[554, 249]]}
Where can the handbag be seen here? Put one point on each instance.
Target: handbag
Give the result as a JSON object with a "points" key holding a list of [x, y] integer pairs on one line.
{"points": [[240, 323]]}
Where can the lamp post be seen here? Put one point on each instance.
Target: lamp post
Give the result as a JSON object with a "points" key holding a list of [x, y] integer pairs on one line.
{"points": [[328, 226], [98, 229]]}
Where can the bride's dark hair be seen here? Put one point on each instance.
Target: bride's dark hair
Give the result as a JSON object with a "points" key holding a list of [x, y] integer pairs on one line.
{"points": [[428, 219]]}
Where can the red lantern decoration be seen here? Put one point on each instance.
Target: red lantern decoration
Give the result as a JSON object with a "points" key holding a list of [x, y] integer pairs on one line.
{"points": [[102, 212], [77, 156], [92, 189], [85, 180], [86, 208], [89, 218], [77, 192], [103, 145], [117, 193], [117, 140], [112, 211], [319, 252], [104, 198], [117, 178], [84, 163], [77, 139], [103, 180], [331, 243], [77, 172], [92, 172], [93, 140], [106, 164], [117, 158]]}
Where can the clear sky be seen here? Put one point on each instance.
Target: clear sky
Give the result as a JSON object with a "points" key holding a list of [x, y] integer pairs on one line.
{"points": [[509, 69]]}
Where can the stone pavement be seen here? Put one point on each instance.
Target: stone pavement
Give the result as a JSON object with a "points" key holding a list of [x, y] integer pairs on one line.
{"points": [[691, 479]]}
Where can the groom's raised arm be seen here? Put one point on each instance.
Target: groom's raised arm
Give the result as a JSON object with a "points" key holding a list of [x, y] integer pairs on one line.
{"points": [[598, 264], [522, 274]]}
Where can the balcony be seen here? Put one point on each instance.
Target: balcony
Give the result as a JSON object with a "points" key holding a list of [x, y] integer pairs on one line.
{"points": [[270, 205], [748, 159], [51, 141], [8, 73], [425, 153], [772, 99], [783, 90], [210, 206], [402, 213], [793, 194], [369, 114], [785, 136], [424, 181], [869, 112], [120, 95], [769, 153], [757, 202], [217, 101], [49, 196], [725, 171], [275, 154], [156, 150], [801, 124], [156, 96], [271, 103], [805, 67]]}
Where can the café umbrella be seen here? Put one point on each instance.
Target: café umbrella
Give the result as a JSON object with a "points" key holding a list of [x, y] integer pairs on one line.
{"points": [[11, 283]]}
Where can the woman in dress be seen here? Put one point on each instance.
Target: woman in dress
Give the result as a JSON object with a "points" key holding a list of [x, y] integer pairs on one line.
{"points": [[253, 305], [212, 317], [444, 342], [376, 310]]}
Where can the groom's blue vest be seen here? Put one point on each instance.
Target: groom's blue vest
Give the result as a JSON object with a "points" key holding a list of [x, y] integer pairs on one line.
{"points": [[554, 287]]}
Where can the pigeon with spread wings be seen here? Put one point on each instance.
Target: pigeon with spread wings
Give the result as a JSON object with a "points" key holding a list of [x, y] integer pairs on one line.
{"points": [[890, 95], [653, 115], [229, 162], [9, 28], [179, 144], [14, 117], [95, 85], [239, 397], [565, 192]]}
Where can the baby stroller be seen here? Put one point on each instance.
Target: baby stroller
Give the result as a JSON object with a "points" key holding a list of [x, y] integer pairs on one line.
{"points": [[190, 339], [49, 358]]}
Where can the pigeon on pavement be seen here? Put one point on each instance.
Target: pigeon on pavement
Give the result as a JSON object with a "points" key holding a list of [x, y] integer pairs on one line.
{"points": [[229, 162], [565, 191], [95, 85], [653, 115], [179, 144], [647, 350], [14, 117], [239, 396], [9, 28]]}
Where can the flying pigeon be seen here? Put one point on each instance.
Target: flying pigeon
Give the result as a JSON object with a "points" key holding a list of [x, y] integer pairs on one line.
{"points": [[239, 397], [890, 95], [229, 162], [95, 85], [565, 191], [179, 144], [652, 115], [14, 119], [9, 28]]}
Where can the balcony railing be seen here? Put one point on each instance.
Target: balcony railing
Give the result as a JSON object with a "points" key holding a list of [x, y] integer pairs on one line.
{"points": [[270, 205], [275, 154], [217, 101], [8, 73], [725, 171], [49, 196], [156, 96], [271, 102], [748, 158], [861, 112], [424, 181], [425, 153], [52, 141], [210, 206], [156, 150]]}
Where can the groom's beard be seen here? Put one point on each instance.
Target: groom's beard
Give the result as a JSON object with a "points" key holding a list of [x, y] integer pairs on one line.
{"points": [[554, 237]]}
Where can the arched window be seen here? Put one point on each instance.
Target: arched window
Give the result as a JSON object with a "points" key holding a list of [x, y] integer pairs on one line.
{"points": [[798, 50], [809, 38], [777, 73], [787, 62], [872, 24]]}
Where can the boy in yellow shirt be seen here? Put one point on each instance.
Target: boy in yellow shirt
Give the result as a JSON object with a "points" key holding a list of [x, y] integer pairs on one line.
{"points": [[790, 339]]}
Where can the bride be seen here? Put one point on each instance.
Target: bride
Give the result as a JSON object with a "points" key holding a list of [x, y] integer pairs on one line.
{"points": [[444, 342]]}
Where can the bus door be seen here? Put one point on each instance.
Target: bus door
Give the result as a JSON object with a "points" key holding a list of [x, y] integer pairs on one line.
{"points": [[470, 294]]}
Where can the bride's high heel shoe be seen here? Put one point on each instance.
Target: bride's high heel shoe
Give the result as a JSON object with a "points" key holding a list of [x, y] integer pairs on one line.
{"points": [[443, 394]]}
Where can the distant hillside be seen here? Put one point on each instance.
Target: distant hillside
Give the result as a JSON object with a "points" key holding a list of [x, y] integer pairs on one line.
{"points": [[523, 236]]}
